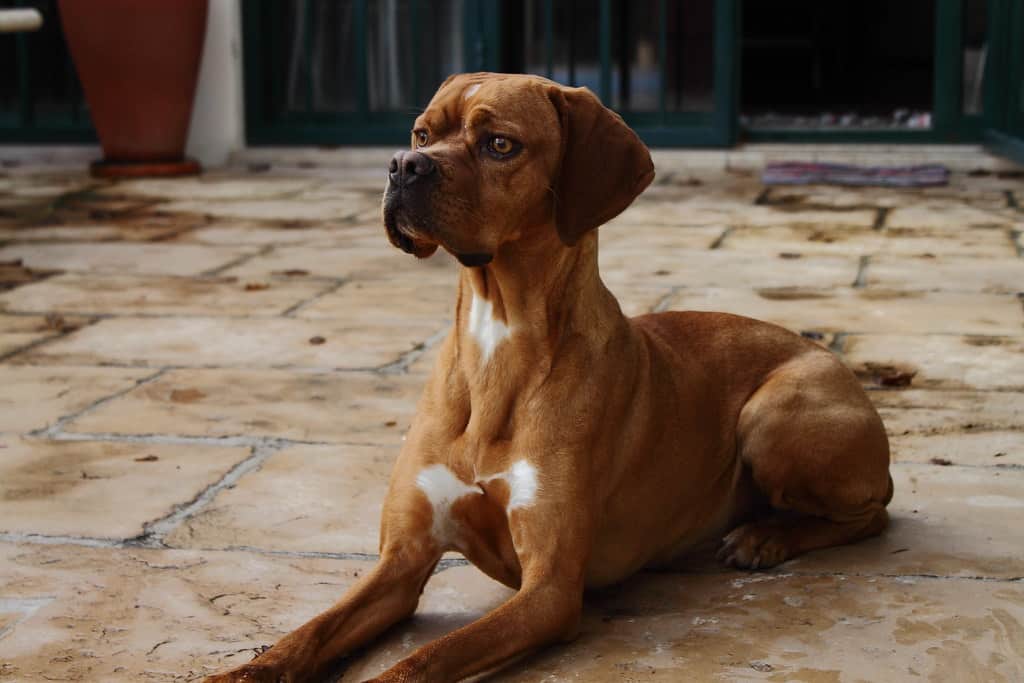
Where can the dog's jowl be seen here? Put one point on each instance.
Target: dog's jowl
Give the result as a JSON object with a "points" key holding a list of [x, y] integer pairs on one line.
{"points": [[558, 444]]}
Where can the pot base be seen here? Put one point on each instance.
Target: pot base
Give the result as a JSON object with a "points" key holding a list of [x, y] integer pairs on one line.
{"points": [[144, 169]]}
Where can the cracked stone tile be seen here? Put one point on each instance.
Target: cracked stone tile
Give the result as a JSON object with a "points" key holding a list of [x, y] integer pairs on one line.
{"points": [[692, 268], [304, 498], [940, 361], [211, 187], [234, 342], [878, 311], [160, 295], [386, 302], [382, 261], [101, 489], [348, 407], [156, 258], [156, 615], [655, 237], [711, 211], [18, 331], [262, 234], [779, 627], [976, 448], [862, 241], [338, 207], [945, 521], [34, 397], [916, 411], [951, 273], [945, 215]]}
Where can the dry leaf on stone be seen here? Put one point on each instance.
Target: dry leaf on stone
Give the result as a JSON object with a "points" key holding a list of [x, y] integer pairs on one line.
{"points": [[186, 395]]}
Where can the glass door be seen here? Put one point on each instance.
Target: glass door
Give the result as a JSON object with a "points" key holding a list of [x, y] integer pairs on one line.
{"points": [[667, 66], [1004, 76]]}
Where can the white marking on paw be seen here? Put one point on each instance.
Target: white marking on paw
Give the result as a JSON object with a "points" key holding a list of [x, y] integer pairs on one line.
{"points": [[442, 489], [485, 328], [470, 91]]}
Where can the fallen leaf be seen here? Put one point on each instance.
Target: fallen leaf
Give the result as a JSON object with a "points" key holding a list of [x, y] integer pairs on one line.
{"points": [[147, 458], [186, 395], [390, 423], [256, 286], [941, 461], [317, 340]]}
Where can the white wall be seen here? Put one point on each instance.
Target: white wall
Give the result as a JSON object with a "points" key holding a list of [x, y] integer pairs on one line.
{"points": [[218, 117]]}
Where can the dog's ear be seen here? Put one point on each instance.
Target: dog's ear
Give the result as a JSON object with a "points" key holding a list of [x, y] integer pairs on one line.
{"points": [[604, 164]]}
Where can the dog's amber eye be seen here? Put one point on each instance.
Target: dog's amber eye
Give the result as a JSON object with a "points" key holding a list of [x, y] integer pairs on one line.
{"points": [[420, 136], [500, 145]]}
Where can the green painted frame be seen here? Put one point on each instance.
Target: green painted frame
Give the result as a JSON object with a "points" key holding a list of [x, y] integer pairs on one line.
{"points": [[482, 45], [1004, 106], [23, 124], [949, 123]]}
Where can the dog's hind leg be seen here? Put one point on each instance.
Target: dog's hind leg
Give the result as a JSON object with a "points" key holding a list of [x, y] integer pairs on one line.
{"points": [[818, 453]]}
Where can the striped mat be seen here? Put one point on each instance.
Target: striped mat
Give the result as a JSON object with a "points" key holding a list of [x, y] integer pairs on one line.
{"points": [[799, 173]]}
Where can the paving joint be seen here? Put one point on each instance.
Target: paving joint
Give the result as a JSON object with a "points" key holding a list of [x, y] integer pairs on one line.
{"points": [[154, 532], [57, 427], [717, 244], [58, 334], [244, 258], [860, 281], [401, 366], [331, 289]]}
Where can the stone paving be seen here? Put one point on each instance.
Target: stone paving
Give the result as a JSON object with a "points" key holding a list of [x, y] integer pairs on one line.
{"points": [[204, 382]]}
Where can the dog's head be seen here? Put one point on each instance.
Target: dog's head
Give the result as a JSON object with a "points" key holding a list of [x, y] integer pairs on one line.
{"points": [[496, 157]]}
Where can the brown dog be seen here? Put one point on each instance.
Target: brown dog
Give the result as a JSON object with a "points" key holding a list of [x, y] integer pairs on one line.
{"points": [[559, 445]]}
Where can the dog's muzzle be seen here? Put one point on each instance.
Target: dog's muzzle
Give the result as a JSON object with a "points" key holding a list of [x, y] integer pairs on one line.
{"points": [[411, 177]]}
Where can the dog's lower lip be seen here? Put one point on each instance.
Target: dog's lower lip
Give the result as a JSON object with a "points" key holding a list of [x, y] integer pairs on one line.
{"points": [[474, 260]]}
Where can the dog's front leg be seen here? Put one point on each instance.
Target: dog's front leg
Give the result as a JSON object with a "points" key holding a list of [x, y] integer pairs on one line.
{"points": [[553, 554], [388, 594]]}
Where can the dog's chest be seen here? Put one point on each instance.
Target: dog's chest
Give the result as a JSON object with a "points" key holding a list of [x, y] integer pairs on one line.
{"points": [[514, 488]]}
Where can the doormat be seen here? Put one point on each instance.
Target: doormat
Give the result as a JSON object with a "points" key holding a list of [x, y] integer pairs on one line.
{"points": [[799, 173]]}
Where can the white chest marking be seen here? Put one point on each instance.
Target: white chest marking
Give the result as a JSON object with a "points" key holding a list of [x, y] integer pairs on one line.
{"points": [[485, 328], [443, 488], [470, 91]]}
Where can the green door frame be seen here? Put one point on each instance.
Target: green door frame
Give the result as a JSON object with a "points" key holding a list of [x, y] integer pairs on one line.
{"points": [[264, 63], [1004, 77], [25, 123]]}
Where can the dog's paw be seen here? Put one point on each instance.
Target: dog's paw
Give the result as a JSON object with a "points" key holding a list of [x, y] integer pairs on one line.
{"points": [[250, 673], [758, 545]]}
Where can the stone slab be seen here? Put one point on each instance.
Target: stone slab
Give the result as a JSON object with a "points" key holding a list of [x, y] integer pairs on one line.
{"points": [[948, 273], [945, 521], [772, 627], [718, 211], [716, 268], [18, 331], [850, 310], [101, 489], [334, 407], [386, 302], [161, 295], [864, 241], [156, 258], [945, 215], [942, 361], [234, 342], [977, 448], [34, 397], [323, 499], [375, 262], [913, 411]]}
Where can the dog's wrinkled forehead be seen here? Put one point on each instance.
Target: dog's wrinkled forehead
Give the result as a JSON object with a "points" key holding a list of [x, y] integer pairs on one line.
{"points": [[510, 102]]}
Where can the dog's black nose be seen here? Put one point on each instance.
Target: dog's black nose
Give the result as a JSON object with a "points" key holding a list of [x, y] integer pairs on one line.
{"points": [[408, 166]]}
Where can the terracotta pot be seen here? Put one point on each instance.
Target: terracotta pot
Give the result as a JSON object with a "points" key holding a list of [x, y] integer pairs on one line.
{"points": [[138, 61]]}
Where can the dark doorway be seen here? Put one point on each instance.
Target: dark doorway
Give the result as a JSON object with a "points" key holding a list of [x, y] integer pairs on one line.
{"points": [[844, 64]]}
